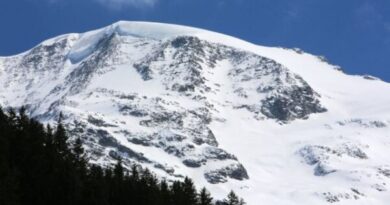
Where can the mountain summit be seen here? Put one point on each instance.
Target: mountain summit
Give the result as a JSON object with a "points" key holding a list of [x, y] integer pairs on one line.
{"points": [[276, 125]]}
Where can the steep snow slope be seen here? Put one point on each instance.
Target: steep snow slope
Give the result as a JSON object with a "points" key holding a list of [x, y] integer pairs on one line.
{"points": [[279, 126]]}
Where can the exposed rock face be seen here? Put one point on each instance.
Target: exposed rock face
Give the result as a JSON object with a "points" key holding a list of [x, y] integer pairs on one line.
{"points": [[286, 95], [295, 103], [237, 172], [323, 157]]}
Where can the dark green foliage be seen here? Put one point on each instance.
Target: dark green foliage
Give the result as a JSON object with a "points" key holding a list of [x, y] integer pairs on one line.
{"points": [[189, 191], [37, 166], [205, 197], [60, 139], [233, 199], [165, 194], [184, 192]]}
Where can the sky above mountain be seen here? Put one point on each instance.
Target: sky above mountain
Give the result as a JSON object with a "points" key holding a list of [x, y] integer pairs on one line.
{"points": [[354, 34]]}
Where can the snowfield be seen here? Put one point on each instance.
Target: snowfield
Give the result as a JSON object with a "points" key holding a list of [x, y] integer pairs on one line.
{"points": [[278, 126]]}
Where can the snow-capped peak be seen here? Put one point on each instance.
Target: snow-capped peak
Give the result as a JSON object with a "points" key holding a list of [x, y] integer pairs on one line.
{"points": [[148, 30], [276, 125]]}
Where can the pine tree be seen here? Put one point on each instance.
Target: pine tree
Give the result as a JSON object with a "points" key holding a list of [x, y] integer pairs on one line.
{"points": [[118, 170], [9, 182], [205, 197], [117, 188], [177, 193], [189, 192], [95, 189], [48, 138], [60, 138], [232, 199], [22, 120], [149, 179], [134, 172], [79, 157], [165, 195], [12, 117], [78, 149]]}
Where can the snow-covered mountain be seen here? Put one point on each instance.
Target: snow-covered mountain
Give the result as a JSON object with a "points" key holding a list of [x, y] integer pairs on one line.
{"points": [[278, 126]]}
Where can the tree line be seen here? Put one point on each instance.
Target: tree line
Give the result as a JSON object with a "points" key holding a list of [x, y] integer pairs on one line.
{"points": [[38, 166]]}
